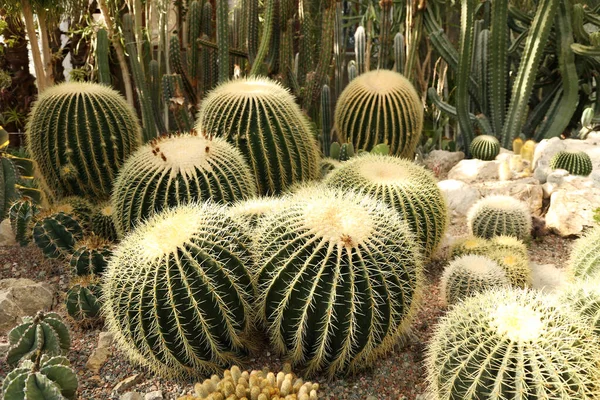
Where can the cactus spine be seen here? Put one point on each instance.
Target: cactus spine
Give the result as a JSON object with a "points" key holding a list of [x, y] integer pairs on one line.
{"points": [[21, 215], [499, 215], [102, 52], [485, 147], [584, 297], [584, 261], [576, 162], [57, 234]]}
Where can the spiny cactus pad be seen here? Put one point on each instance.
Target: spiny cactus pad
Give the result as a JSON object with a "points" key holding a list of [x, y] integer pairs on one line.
{"points": [[499, 215], [380, 106], [584, 261], [177, 293], [261, 118], [485, 147], [178, 169], [339, 279], [469, 275], [57, 234], [102, 222], [576, 162], [80, 134], [513, 344], [21, 214], [83, 299], [584, 297], [406, 187]]}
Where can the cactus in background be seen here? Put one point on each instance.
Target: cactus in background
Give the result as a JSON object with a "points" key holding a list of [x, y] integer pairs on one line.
{"points": [[326, 124], [79, 134], [154, 86], [504, 342], [102, 52], [359, 49], [177, 102], [21, 214], [469, 245], [83, 299], [380, 107], [517, 145], [267, 33], [209, 291], [409, 189], [222, 11], [468, 275], [56, 234], [352, 71], [584, 298], [318, 255], [90, 256], [42, 333], [499, 215], [584, 261], [528, 150], [251, 14], [46, 378], [8, 180], [250, 212], [485, 147], [177, 66], [195, 21], [399, 53], [260, 117], [178, 169], [515, 265], [576, 162], [102, 222]]}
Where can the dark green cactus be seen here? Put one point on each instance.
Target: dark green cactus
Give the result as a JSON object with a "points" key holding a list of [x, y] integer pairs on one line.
{"points": [[326, 123], [222, 11], [44, 332], [21, 215], [194, 31], [79, 208], [90, 256], [57, 234], [252, 29], [500, 215], [8, 181], [576, 162], [103, 224], [177, 66], [265, 40], [485, 147], [83, 300], [176, 101], [102, 53], [154, 86]]}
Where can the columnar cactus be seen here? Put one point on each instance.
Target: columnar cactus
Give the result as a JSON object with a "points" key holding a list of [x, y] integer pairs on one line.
{"points": [[177, 293], [576, 162], [261, 118], [102, 222], [50, 378], [44, 332], [485, 147], [584, 261], [56, 234], [515, 266], [178, 169], [8, 181], [500, 215], [528, 150], [406, 187], [584, 297], [21, 214], [517, 145], [250, 212], [468, 275], [80, 134], [380, 106], [513, 344], [83, 299], [90, 256], [339, 278]]}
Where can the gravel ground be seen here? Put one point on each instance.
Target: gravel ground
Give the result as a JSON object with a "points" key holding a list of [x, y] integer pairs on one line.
{"points": [[397, 377]]}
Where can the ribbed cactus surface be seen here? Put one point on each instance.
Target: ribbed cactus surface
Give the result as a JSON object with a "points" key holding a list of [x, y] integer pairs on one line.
{"points": [[261, 118], [80, 134], [339, 279], [408, 188], [584, 261], [499, 215], [250, 212], [177, 294], [515, 265], [576, 162], [584, 297], [90, 256], [513, 344], [380, 107], [56, 234], [102, 222], [21, 214], [83, 299], [8, 180], [178, 169], [485, 147]]}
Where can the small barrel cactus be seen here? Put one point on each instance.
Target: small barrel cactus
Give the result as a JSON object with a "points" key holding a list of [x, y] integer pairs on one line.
{"points": [[56, 234], [576, 162], [178, 169], [260, 385], [44, 332], [584, 297], [509, 344], [509, 245], [468, 275], [80, 134], [90, 256], [102, 223], [485, 147], [380, 106], [251, 211], [515, 265], [261, 118], [177, 293], [83, 299], [584, 261], [469, 245], [79, 208], [339, 278], [500, 215], [21, 214], [49, 378], [409, 189]]}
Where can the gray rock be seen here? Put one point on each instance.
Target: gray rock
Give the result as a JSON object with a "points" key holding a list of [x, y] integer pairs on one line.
{"points": [[557, 176], [20, 298], [7, 237], [105, 339], [459, 196], [470, 171], [155, 395], [131, 396], [442, 161], [128, 383], [547, 148]]}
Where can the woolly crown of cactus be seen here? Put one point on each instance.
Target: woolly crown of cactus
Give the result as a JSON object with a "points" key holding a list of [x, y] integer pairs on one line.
{"points": [[409, 189], [178, 169], [507, 343], [177, 293], [339, 278], [262, 119], [585, 256], [499, 215], [252, 210], [380, 106], [514, 264]]}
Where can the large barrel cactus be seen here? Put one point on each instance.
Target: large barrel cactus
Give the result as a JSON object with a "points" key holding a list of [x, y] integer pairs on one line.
{"points": [[178, 169], [177, 293], [408, 188], [261, 118], [584, 261], [499, 215], [584, 297], [80, 134], [339, 279], [380, 106], [513, 344]]}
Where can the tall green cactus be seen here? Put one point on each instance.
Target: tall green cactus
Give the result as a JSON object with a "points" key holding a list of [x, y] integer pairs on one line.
{"points": [[399, 53], [359, 49], [252, 29], [177, 66], [195, 21], [498, 43], [222, 11], [257, 67], [467, 16], [177, 103], [102, 53], [326, 123], [8, 181]]}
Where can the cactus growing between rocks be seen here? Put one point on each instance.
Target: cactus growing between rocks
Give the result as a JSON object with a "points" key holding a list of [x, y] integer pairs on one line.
{"points": [[380, 106], [260, 117], [406, 187], [584, 261], [485, 147], [508, 343], [178, 169], [339, 279], [576, 162], [79, 134], [21, 214], [83, 299], [177, 294], [499, 215], [56, 234], [90, 256], [584, 297]]}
